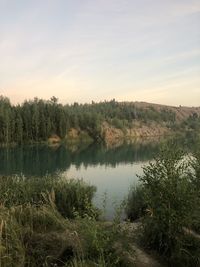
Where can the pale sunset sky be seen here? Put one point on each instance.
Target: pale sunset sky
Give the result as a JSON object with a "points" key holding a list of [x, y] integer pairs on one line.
{"points": [[84, 50]]}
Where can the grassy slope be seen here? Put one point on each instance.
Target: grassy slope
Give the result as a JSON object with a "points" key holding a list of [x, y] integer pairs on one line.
{"points": [[181, 112]]}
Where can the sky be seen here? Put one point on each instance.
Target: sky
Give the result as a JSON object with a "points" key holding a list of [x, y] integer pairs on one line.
{"points": [[84, 50]]}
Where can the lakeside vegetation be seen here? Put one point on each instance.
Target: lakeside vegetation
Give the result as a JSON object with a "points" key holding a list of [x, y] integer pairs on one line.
{"points": [[167, 203], [37, 120], [51, 221]]}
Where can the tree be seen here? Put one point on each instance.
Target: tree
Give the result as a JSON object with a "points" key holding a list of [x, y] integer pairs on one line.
{"points": [[18, 128], [54, 100]]}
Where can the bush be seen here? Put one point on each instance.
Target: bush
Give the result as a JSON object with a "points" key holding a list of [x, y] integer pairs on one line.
{"points": [[118, 123], [195, 174], [170, 199], [135, 204]]}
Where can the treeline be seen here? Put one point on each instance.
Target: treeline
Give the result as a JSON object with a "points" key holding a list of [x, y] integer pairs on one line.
{"points": [[32, 121], [36, 120]]}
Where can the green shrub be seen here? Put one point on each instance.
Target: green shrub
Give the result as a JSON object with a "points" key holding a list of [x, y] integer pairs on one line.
{"points": [[135, 204], [170, 199], [195, 174], [118, 123]]}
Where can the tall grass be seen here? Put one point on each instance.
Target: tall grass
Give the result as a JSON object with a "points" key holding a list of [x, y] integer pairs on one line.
{"points": [[52, 222], [12, 251], [70, 196]]}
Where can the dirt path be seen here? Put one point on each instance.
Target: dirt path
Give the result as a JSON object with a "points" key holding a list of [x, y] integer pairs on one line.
{"points": [[139, 257], [144, 260]]}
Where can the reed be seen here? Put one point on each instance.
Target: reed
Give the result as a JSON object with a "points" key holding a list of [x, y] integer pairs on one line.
{"points": [[51, 222], [70, 196]]}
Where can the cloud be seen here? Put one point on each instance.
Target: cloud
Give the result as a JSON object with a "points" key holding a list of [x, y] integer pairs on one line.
{"points": [[84, 50]]}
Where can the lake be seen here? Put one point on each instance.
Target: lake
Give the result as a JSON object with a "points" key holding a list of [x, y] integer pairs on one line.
{"points": [[111, 169]]}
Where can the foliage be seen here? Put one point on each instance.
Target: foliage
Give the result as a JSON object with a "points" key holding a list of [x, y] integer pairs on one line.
{"points": [[135, 204], [34, 230], [192, 122], [195, 176], [169, 192], [37, 120], [12, 251], [70, 196]]}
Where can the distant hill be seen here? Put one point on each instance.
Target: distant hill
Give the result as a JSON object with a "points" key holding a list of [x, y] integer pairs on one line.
{"points": [[182, 112], [40, 121]]}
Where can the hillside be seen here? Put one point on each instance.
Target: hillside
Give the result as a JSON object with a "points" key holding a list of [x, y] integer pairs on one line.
{"points": [[39, 120], [181, 112]]}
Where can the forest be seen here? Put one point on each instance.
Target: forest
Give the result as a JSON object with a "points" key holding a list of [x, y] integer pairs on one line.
{"points": [[36, 120]]}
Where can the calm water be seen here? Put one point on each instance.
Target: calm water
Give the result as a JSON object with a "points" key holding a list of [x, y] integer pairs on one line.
{"points": [[111, 170]]}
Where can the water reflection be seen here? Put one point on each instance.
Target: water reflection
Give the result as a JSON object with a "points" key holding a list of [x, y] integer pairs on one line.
{"points": [[40, 160], [111, 169]]}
